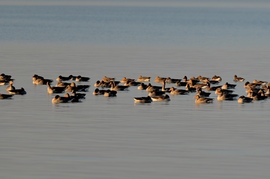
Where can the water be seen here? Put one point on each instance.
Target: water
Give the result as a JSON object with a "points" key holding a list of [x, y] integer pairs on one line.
{"points": [[113, 137]]}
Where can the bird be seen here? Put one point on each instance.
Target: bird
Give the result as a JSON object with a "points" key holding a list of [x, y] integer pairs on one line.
{"points": [[243, 99], [10, 86], [110, 93], [54, 89], [60, 99], [238, 79], [78, 88], [228, 97], [175, 91], [80, 78], [6, 96], [64, 78], [228, 86], [19, 91], [202, 100], [142, 99], [97, 91], [143, 78], [118, 87], [202, 93], [161, 98]]}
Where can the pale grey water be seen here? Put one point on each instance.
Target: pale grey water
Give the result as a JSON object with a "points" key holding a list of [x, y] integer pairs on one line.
{"points": [[113, 138]]}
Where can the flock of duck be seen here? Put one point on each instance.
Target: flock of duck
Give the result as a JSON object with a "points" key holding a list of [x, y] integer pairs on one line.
{"points": [[68, 90]]}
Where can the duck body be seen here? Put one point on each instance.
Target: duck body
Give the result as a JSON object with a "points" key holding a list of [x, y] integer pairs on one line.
{"points": [[142, 99]]}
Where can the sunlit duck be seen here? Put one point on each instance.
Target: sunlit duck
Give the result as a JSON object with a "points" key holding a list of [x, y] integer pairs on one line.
{"points": [[39, 80], [202, 100], [64, 78], [142, 86], [151, 88], [60, 99], [156, 93], [181, 83], [202, 93], [229, 97], [5, 77], [161, 98], [132, 83], [6, 96], [107, 79], [126, 80], [20, 91], [79, 88], [142, 99], [80, 78], [228, 86], [73, 99], [243, 99], [99, 92], [159, 79], [192, 81], [172, 80], [62, 84], [210, 81], [4, 82], [143, 78], [110, 93], [211, 88], [102, 84], [223, 91], [10, 86], [190, 89], [259, 82], [163, 88], [78, 95], [216, 78], [238, 79], [258, 96], [174, 91], [54, 89], [118, 87], [202, 78], [251, 85], [200, 85]]}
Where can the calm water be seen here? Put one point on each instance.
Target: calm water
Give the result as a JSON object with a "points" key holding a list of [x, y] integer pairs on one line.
{"points": [[112, 137]]}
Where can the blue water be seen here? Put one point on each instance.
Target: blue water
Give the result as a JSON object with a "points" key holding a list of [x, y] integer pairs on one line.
{"points": [[113, 138], [162, 26]]}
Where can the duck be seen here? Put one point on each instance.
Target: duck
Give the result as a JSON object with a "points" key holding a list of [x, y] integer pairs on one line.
{"points": [[118, 87], [132, 83], [143, 78], [72, 99], [161, 98], [99, 92], [110, 93], [102, 84], [6, 96], [216, 78], [151, 88], [159, 79], [190, 89], [238, 79], [142, 99], [80, 78], [62, 84], [202, 93], [202, 100], [180, 83], [64, 78], [60, 99], [172, 80], [79, 88], [10, 86], [175, 91], [156, 93], [40, 80], [5, 77], [243, 99], [202, 78], [142, 86], [211, 88], [78, 95], [54, 89], [163, 88], [228, 97], [107, 79], [228, 86], [19, 91], [126, 80]]}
